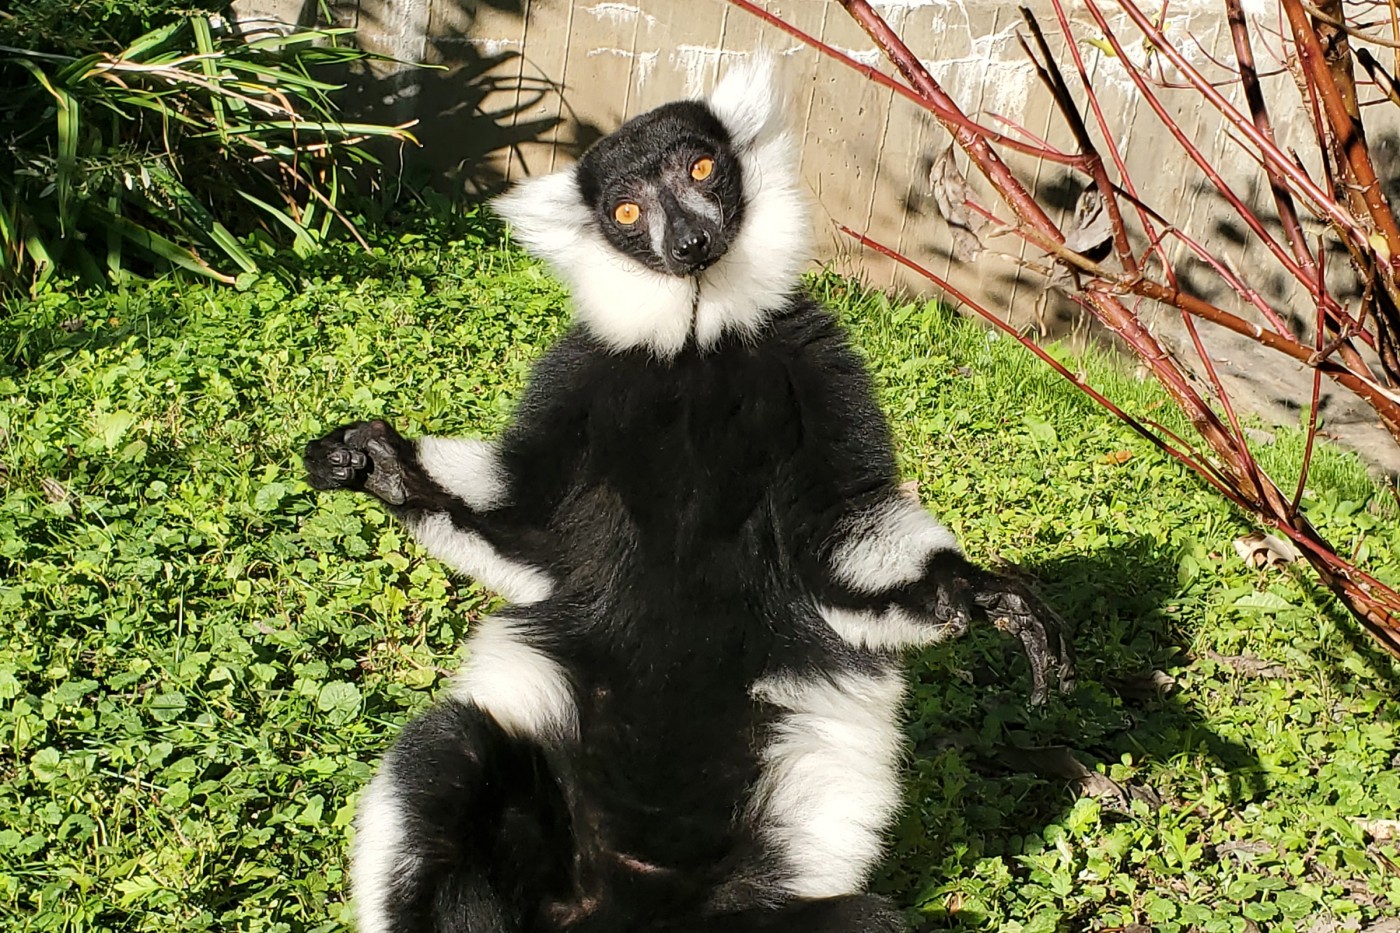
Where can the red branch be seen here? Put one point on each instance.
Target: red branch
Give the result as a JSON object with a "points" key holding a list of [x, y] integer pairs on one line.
{"points": [[1233, 471]]}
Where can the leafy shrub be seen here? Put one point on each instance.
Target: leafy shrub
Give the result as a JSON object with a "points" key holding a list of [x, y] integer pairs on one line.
{"points": [[152, 156], [79, 26]]}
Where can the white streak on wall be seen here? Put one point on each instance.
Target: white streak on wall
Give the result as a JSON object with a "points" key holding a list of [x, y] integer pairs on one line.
{"points": [[994, 62], [699, 62], [402, 31], [619, 13], [493, 47], [646, 61], [868, 57]]}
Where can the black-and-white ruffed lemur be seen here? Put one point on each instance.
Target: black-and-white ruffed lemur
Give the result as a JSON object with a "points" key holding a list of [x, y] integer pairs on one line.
{"points": [[687, 719]]}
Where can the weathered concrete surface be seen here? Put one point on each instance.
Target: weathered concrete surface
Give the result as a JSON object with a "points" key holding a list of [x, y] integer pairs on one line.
{"points": [[527, 84]]}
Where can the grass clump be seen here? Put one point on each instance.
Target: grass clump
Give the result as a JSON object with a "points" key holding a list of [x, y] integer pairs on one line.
{"points": [[201, 660]]}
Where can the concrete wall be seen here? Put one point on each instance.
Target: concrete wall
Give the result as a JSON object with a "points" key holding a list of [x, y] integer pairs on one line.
{"points": [[527, 84]]}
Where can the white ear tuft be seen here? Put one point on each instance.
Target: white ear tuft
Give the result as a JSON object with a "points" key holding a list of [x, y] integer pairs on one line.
{"points": [[750, 101], [546, 214]]}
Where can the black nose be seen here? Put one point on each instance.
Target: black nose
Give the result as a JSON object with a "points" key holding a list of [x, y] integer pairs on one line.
{"points": [[692, 247]]}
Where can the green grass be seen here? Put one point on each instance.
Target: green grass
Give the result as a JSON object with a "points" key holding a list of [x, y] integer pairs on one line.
{"points": [[200, 661]]}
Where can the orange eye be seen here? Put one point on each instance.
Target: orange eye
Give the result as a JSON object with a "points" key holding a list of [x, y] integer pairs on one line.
{"points": [[702, 169], [627, 213]]}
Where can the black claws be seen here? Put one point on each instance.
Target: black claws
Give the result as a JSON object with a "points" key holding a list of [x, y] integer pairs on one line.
{"points": [[960, 591], [345, 463], [367, 456], [1014, 609]]}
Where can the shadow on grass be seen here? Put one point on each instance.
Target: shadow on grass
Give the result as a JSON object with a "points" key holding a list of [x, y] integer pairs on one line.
{"points": [[988, 775]]}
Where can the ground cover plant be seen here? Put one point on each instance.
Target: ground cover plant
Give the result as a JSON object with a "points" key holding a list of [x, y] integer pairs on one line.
{"points": [[200, 661]]}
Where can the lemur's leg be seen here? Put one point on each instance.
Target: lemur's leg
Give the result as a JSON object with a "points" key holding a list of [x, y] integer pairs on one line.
{"points": [[462, 828], [856, 913], [451, 493], [893, 577]]}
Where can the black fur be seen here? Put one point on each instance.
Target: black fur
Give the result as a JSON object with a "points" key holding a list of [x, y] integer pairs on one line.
{"points": [[687, 514]]}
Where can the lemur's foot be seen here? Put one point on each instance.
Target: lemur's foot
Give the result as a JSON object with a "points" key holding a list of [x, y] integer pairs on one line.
{"points": [[364, 456], [1013, 608]]}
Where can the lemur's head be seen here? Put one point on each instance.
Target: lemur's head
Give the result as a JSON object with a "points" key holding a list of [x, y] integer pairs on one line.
{"points": [[688, 221], [666, 189]]}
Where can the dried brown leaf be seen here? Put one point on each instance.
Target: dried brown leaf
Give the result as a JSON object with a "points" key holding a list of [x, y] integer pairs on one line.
{"points": [[951, 193], [1380, 830], [1260, 549], [1146, 685], [1092, 229], [1243, 849], [53, 489]]}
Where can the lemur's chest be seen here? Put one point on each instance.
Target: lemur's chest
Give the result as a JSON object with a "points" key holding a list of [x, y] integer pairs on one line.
{"points": [[703, 434]]}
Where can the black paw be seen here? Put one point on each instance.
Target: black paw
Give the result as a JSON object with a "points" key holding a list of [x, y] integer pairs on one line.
{"points": [[1013, 608], [367, 456]]}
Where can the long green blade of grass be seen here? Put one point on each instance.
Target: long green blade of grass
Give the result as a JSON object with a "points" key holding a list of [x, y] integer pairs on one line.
{"points": [[302, 239], [152, 41], [217, 233], [68, 127], [162, 247], [204, 41]]}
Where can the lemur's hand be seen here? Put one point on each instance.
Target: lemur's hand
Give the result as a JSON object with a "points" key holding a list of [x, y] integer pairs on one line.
{"points": [[1013, 608], [363, 456], [957, 591]]}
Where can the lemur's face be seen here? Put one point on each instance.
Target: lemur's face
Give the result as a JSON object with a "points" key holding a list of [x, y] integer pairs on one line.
{"points": [[666, 188], [685, 225]]}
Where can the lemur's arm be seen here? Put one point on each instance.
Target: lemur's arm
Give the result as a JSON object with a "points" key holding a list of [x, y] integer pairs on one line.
{"points": [[482, 507], [884, 572], [454, 495]]}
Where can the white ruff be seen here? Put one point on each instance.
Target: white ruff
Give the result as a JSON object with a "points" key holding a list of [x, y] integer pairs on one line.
{"points": [[628, 306], [887, 545], [765, 261], [468, 468], [517, 684], [378, 856], [830, 782], [469, 553]]}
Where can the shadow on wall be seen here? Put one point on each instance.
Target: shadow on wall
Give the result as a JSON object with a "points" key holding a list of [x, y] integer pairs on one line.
{"points": [[1259, 381], [1221, 229], [479, 106]]}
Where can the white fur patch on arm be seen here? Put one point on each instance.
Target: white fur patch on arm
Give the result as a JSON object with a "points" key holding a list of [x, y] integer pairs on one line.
{"points": [[891, 629], [471, 554], [468, 468], [520, 686], [886, 546]]}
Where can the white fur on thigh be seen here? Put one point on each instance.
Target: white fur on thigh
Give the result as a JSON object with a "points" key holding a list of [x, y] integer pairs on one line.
{"points": [[471, 554], [524, 689], [830, 783], [378, 856]]}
